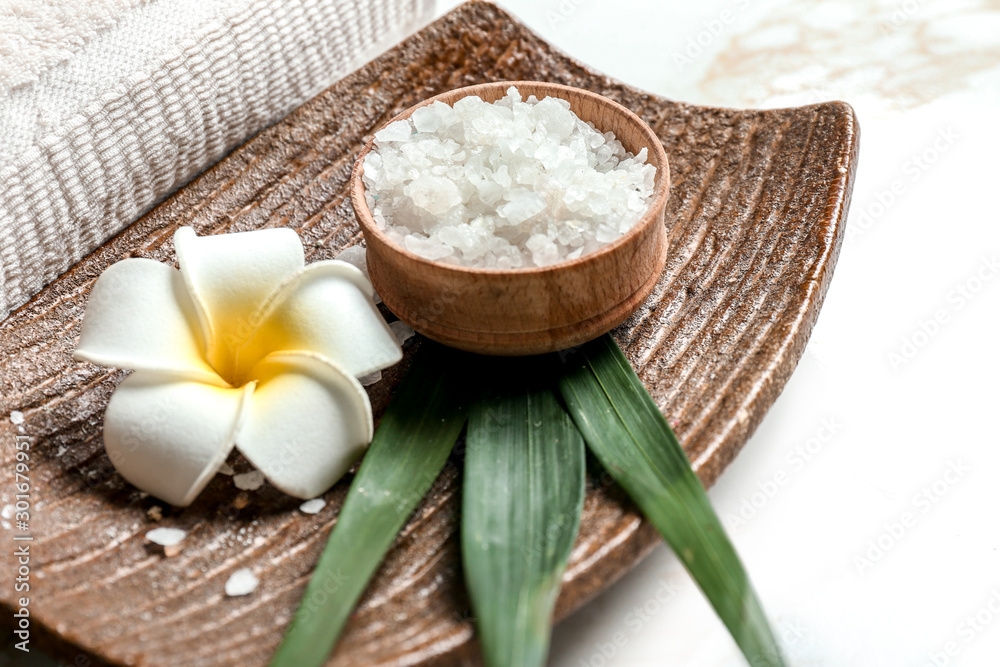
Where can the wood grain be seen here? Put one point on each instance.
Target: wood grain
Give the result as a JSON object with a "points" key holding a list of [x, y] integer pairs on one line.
{"points": [[535, 310], [757, 205]]}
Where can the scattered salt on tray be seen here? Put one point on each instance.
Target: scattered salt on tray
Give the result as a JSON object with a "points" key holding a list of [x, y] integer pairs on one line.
{"points": [[401, 330], [168, 538], [312, 506], [370, 379], [241, 582], [516, 183], [357, 256], [249, 481]]}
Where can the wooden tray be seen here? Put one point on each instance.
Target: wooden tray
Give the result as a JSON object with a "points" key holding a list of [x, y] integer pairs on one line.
{"points": [[756, 218]]}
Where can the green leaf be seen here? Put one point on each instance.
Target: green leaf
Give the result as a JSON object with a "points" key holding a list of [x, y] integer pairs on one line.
{"points": [[522, 497], [626, 431], [412, 443]]}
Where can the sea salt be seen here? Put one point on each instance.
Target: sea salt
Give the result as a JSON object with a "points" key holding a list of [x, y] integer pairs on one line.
{"points": [[241, 582], [357, 256], [166, 537], [312, 506], [370, 379], [401, 330], [249, 481], [517, 183]]}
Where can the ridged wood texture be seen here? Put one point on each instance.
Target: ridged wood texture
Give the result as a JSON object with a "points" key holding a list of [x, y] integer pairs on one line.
{"points": [[757, 204]]}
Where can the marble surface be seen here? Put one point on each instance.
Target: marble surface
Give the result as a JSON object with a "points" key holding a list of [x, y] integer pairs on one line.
{"points": [[864, 504]]}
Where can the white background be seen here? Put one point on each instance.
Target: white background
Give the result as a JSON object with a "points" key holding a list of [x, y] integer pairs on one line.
{"points": [[924, 78]]}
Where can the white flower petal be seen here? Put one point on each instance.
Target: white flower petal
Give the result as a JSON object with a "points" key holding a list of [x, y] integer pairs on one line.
{"points": [[140, 316], [230, 276], [168, 436], [326, 308], [308, 421]]}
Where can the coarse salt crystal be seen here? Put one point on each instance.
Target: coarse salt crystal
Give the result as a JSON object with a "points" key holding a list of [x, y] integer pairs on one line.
{"points": [[426, 119], [401, 330], [241, 582], [426, 247], [249, 481], [16, 417], [370, 379], [312, 506], [166, 537], [357, 256], [516, 183], [398, 131]]}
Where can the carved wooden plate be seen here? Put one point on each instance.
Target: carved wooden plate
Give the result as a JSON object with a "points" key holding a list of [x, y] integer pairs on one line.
{"points": [[755, 216]]}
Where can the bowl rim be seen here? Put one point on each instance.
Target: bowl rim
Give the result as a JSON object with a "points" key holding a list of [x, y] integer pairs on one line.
{"points": [[661, 186]]}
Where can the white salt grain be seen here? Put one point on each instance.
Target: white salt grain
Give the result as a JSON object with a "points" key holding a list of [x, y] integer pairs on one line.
{"points": [[241, 582], [398, 131], [516, 183], [312, 506], [426, 119], [166, 537], [357, 256], [370, 379], [16, 417], [249, 481], [401, 330]]}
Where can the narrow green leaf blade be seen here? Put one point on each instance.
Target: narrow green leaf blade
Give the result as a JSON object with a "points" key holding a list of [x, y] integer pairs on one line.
{"points": [[626, 431], [522, 497], [411, 445]]}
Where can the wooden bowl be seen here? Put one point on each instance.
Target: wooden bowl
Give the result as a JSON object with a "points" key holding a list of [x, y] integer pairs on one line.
{"points": [[532, 310]]}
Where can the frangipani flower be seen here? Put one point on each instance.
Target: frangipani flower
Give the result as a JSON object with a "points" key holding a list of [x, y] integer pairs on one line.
{"points": [[245, 346]]}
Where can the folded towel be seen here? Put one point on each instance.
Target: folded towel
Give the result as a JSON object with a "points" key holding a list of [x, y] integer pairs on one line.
{"points": [[108, 106]]}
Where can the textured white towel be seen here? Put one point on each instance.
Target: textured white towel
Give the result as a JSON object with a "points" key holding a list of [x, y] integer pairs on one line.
{"points": [[107, 106]]}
